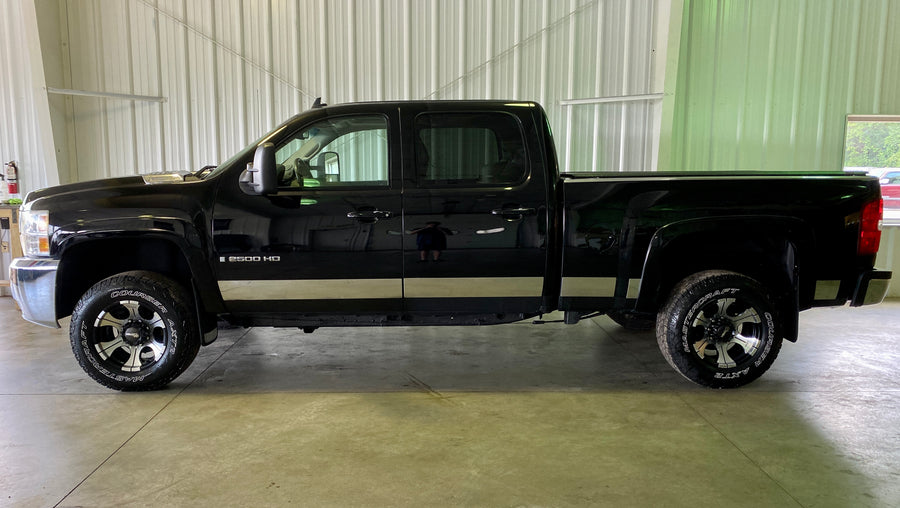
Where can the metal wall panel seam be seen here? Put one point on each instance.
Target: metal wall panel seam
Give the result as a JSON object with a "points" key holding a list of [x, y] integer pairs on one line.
{"points": [[214, 56], [715, 85], [488, 52], [132, 107], [435, 41], [679, 133], [545, 41], [163, 142], [879, 59], [517, 51], [797, 76], [69, 104], [407, 50], [748, 20], [242, 98], [323, 43], [379, 53], [104, 117], [187, 118], [854, 50], [823, 83], [461, 52], [770, 85], [598, 49], [570, 91], [626, 79], [271, 119], [351, 53]]}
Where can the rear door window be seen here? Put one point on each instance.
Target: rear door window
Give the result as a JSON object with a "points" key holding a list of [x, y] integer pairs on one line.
{"points": [[469, 149]]}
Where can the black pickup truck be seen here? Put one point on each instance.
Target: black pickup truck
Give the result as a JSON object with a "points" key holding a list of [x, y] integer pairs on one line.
{"points": [[440, 213]]}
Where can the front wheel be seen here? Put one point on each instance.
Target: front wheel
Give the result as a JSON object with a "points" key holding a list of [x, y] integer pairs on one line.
{"points": [[134, 331], [718, 329]]}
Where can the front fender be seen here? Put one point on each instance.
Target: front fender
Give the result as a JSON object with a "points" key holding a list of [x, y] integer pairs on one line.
{"points": [[167, 245]]}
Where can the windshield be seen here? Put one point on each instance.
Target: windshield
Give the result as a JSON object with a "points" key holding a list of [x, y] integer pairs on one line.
{"points": [[205, 173]]}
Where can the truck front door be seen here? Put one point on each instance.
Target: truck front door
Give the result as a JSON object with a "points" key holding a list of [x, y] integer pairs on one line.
{"points": [[329, 240]]}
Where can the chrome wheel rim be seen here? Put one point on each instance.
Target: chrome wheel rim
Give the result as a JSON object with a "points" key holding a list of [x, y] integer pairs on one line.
{"points": [[726, 333], [130, 336]]}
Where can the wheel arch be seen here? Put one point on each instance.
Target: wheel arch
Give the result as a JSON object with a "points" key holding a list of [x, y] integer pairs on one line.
{"points": [[767, 249], [96, 257]]}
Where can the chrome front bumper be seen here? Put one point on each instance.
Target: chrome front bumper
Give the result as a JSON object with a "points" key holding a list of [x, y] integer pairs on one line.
{"points": [[33, 284]]}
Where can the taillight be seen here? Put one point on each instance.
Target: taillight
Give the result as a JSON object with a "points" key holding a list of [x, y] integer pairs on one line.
{"points": [[870, 228]]}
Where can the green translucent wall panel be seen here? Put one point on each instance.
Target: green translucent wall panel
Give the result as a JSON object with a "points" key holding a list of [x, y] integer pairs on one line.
{"points": [[767, 84]]}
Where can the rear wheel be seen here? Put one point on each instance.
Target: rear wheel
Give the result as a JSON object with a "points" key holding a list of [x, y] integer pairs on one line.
{"points": [[718, 329], [134, 331]]}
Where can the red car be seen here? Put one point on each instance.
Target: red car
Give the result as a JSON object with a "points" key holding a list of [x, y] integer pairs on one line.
{"points": [[891, 195], [890, 189]]}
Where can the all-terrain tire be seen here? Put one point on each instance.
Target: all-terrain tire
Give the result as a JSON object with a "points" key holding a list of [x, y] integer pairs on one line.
{"points": [[719, 329], [135, 331]]}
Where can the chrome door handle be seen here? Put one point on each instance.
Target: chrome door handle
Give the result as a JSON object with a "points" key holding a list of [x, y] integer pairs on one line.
{"points": [[513, 213], [370, 215]]}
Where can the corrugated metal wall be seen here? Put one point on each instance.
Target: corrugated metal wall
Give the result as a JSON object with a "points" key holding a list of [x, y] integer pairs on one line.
{"points": [[231, 69], [25, 135], [768, 84]]}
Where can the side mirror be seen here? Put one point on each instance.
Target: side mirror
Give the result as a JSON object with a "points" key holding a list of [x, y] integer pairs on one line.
{"points": [[330, 162], [259, 179]]}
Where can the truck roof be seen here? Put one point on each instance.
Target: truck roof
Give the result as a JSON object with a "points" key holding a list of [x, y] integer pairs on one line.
{"points": [[460, 105]]}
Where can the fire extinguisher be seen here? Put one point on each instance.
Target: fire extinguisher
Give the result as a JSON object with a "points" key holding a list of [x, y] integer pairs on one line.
{"points": [[12, 178]]}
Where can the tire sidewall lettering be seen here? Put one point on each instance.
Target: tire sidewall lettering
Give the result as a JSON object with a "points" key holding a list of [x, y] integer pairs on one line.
{"points": [[770, 339], [676, 335]]}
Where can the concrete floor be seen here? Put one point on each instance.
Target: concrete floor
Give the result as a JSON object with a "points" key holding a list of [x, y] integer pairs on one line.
{"points": [[512, 415]]}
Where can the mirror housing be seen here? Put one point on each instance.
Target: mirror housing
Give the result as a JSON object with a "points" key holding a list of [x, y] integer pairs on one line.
{"points": [[332, 161], [259, 179]]}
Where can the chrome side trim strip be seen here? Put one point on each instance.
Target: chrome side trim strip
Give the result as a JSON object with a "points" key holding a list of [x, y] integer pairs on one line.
{"points": [[474, 287], [698, 178], [588, 287], [331, 289], [596, 287], [634, 288], [319, 289]]}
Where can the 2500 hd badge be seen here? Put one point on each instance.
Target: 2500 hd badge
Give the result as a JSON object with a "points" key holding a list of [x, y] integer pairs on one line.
{"points": [[250, 259]]}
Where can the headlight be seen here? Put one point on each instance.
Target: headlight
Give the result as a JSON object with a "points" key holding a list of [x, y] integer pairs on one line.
{"points": [[34, 228]]}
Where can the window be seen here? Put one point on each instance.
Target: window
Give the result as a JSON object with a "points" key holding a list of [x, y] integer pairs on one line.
{"points": [[335, 152], [872, 144], [469, 149]]}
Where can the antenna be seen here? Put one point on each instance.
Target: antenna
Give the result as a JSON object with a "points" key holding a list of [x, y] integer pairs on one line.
{"points": [[318, 104]]}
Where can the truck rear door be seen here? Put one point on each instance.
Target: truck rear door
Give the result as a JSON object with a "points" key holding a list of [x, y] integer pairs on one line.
{"points": [[475, 229]]}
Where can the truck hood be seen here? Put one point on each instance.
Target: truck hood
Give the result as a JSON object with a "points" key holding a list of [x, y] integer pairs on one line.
{"points": [[108, 183]]}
